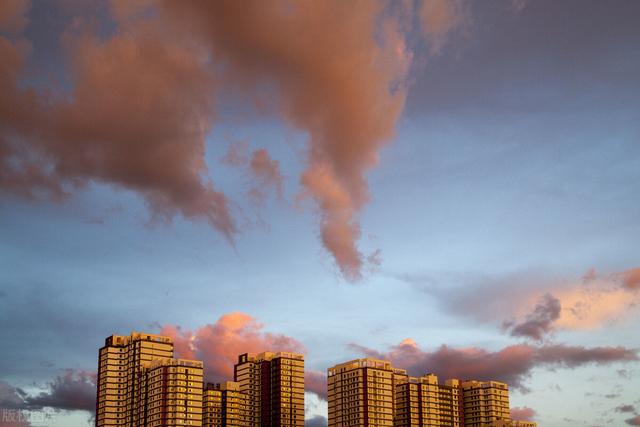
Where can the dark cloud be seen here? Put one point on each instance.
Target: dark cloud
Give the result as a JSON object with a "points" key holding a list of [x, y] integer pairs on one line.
{"points": [[540, 321], [317, 421], [635, 421], [11, 397], [625, 408], [512, 364], [72, 391]]}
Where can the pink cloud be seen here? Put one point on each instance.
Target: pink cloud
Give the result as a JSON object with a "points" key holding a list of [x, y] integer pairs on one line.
{"points": [[522, 413], [512, 364], [266, 171], [438, 19], [219, 344], [142, 101]]}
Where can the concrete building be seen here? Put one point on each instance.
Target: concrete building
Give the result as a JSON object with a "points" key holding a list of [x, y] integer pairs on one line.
{"points": [[174, 393], [140, 384], [485, 402], [361, 393], [423, 402], [225, 405], [274, 385]]}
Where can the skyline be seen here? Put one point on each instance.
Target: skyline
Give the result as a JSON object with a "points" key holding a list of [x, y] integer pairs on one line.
{"points": [[449, 185], [145, 379]]}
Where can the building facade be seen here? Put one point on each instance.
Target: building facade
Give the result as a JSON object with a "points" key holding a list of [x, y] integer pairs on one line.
{"points": [[361, 393], [485, 402], [225, 405], [423, 402], [274, 385], [140, 384]]}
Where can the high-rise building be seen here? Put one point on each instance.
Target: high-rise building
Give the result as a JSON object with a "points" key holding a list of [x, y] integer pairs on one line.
{"points": [[140, 384], [361, 393], [274, 385], [423, 402], [450, 402], [225, 405], [485, 402], [174, 393]]}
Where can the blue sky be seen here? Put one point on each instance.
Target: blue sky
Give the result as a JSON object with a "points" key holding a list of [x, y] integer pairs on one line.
{"points": [[513, 170]]}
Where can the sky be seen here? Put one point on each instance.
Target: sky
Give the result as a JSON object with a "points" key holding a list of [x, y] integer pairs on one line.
{"points": [[450, 185]]}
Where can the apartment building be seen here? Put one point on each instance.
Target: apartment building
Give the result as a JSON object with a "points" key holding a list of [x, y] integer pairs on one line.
{"points": [[274, 385], [225, 405], [423, 401], [485, 402], [361, 393], [140, 384]]}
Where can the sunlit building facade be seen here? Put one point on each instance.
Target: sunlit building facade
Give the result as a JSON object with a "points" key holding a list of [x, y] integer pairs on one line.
{"points": [[361, 393], [225, 405], [140, 384], [485, 403], [274, 385], [423, 402]]}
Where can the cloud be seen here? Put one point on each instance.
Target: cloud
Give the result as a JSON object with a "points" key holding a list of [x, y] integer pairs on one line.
{"points": [[317, 421], [522, 413], [266, 171], [219, 344], [438, 19], [11, 397], [13, 15], [74, 390], [136, 118], [12, 406], [531, 301], [337, 75], [625, 408], [237, 154], [512, 364], [316, 382], [540, 321], [141, 101], [631, 278], [635, 421]]}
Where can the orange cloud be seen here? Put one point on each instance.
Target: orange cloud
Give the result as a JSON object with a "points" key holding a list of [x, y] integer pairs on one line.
{"points": [[598, 300], [13, 17], [220, 343], [438, 18], [266, 171], [333, 79], [540, 307], [523, 413], [142, 102]]}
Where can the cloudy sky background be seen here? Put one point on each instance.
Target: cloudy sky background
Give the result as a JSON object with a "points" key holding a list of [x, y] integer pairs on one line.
{"points": [[450, 185]]}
